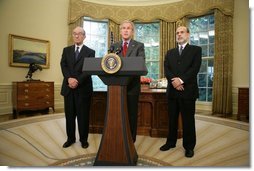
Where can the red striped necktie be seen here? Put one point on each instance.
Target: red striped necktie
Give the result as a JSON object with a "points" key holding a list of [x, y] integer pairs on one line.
{"points": [[125, 47]]}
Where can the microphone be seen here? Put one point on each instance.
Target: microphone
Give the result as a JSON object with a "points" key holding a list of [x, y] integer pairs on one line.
{"points": [[111, 49], [118, 50]]}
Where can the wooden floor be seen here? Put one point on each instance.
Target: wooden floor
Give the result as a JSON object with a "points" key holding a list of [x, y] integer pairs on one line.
{"points": [[37, 141]]}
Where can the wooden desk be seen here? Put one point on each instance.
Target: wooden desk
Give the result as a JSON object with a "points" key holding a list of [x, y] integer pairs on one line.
{"points": [[243, 104], [32, 95], [152, 114]]}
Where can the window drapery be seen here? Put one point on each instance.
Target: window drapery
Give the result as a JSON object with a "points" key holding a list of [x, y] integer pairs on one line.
{"points": [[167, 41], [170, 12], [223, 64], [172, 15]]}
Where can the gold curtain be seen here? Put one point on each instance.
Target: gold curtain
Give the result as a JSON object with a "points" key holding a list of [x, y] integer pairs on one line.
{"points": [[167, 41], [222, 81], [170, 12], [72, 26], [114, 29], [182, 22]]}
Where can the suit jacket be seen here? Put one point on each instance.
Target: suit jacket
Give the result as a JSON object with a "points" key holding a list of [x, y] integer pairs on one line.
{"points": [[73, 68], [135, 49], [186, 67]]}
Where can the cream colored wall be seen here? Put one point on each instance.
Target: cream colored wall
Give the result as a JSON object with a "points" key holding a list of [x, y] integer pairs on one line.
{"points": [[47, 19], [42, 19], [241, 51]]}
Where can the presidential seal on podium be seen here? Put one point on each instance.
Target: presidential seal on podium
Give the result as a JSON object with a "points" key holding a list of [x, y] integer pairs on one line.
{"points": [[111, 63]]}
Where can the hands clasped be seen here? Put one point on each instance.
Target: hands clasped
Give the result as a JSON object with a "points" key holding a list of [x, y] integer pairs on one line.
{"points": [[73, 83], [177, 84]]}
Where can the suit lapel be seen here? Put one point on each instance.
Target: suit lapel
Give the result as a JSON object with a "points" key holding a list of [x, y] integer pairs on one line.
{"points": [[184, 50], [80, 54], [72, 54], [176, 57], [119, 45], [130, 47]]}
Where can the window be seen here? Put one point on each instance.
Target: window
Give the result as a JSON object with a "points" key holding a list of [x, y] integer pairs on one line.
{"points": [[202, 34], [96, 38], [149, 34]]}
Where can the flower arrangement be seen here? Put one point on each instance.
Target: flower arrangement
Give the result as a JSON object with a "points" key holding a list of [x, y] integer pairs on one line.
{"points": [[145, 80]]}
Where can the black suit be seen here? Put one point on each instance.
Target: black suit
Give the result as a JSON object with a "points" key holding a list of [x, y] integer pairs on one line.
{"points": [[135, 49], [185, 66], [76, 101]]}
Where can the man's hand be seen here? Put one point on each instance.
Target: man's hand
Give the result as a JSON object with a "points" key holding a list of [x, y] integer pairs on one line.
{"points": [[73, 82], [180, 88], [177, 84]]}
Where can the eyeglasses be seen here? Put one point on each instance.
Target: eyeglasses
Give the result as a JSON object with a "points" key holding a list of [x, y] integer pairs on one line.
{"points": [[77, 34]]}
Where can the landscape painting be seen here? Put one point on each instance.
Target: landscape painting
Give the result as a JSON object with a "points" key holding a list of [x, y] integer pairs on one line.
{"points": [[25, 50]]}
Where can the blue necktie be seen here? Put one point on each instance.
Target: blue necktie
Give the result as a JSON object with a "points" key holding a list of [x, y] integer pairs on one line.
{"points": [[76, 53]]}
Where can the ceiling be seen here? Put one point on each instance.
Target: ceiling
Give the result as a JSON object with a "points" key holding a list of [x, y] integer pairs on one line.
{"points": [[132, 2]]}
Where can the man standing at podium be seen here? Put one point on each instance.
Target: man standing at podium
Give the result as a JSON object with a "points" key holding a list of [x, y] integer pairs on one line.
{"points": [[76, 88], [181, 67], [128, 47]]}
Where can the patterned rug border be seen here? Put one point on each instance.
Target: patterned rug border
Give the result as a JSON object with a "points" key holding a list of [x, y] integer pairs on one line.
{"points": [[77, 161]]}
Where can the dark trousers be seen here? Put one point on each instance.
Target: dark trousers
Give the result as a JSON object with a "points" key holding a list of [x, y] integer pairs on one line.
{"points": [[187, 110], [77, 106], [132, 105]]}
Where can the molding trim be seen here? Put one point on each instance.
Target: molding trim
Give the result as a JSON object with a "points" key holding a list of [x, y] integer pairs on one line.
{"points": [[6, 98]]}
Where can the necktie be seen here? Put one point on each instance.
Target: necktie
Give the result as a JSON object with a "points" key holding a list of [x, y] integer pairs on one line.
{"points": [[180, 50], [76, 53], [125, 47]]}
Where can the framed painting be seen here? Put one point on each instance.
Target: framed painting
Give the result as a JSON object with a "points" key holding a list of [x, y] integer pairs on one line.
{"points": [[25, 50]]}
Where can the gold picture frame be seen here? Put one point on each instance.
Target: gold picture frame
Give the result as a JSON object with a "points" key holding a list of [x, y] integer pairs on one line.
{"points": [[26, 50]]}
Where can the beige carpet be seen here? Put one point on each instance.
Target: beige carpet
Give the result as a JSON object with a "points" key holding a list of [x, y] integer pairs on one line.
{"points": [[37, 141]]}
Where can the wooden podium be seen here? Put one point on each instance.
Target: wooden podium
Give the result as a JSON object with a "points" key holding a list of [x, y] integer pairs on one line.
{"points": [[116, 147]]}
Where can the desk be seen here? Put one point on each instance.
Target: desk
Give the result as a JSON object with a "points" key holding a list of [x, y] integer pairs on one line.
{"points": [[152, 114], [32, 95], [243, 104]]}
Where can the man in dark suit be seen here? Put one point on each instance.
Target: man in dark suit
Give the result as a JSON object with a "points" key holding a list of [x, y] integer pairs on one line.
{"points": [[131, 48], [76, 88], [181, 67]]}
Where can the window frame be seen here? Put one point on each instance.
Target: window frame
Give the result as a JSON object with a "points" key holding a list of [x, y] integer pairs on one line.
{"points": [[206, 105], [159, 61], [103, 87]]}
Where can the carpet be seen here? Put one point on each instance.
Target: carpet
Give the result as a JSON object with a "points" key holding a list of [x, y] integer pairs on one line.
{"points": [[88, 160]]}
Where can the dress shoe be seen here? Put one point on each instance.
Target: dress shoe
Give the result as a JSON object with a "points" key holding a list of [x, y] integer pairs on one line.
{"points": [[166, 147], [68, 144], [84, 144], [189, 153]]}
